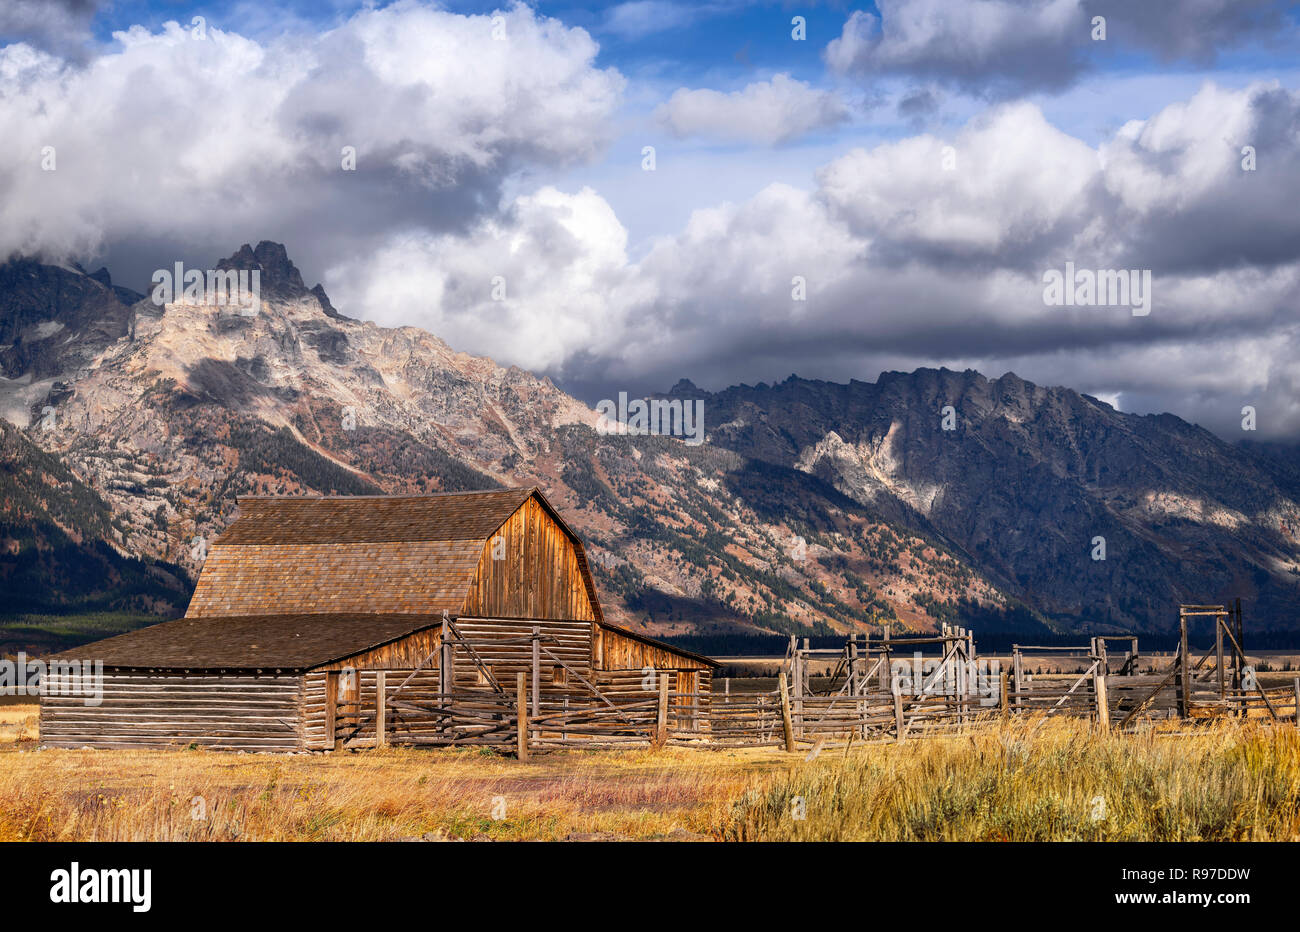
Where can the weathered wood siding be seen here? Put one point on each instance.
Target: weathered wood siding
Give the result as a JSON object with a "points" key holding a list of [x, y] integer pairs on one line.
{"points": [[224, 712], [615, 651], [539, 574]]}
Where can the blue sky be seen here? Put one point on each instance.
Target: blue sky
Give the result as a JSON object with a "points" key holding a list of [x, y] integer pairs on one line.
{"points": [[774, 159]]}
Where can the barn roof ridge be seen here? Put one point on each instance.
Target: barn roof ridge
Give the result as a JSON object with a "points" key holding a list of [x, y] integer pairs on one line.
{"points": [[386, 495], [320, 519]]}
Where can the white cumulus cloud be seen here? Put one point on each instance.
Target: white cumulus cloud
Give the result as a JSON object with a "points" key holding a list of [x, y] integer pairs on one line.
{"points": [[767, 112]]}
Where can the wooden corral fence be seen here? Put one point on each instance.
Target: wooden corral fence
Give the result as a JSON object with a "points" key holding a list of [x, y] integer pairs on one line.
{"points": [[473, 695], [889, 688]]}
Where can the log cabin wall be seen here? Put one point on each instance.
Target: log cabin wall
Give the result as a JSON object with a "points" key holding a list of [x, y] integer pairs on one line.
{"points": [[539, 573], [232, 712]]}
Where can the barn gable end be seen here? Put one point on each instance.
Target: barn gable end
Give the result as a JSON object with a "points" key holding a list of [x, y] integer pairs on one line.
{"points": [[532, 567]]}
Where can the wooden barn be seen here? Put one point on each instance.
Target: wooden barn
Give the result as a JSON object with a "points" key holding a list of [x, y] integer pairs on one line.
{"points": [[309, 610]]}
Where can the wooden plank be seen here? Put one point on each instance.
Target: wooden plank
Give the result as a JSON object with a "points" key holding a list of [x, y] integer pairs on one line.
{"points": [[331, 710], [1103, 708], [1184, 677], [900, 732], [787, 726]]}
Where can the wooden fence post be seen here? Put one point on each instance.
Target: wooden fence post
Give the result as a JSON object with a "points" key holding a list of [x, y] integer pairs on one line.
{"points": [[1184, 678], [1016, 670], [332, 710], [898, 710], [661, 716], [1103, 707], [787, 726], [887, 668], [1297, 702], [1218, 656], [1002, 693], [381, 708], [521, 714]]}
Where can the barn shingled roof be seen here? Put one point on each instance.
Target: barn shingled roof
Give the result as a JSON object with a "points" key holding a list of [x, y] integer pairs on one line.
{"points": [[246, 642], [394, 554], [365, 519]]}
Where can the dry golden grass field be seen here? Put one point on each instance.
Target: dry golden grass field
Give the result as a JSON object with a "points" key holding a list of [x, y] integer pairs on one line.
{"points": [[1025, 780]]}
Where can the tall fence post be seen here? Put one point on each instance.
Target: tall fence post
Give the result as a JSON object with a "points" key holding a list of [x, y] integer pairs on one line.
{"points": [[886, 669], [1103, 706], [1184, 684], [1218, 656], [787, 726], [521, 714], [898, 709], [1016, 671]]}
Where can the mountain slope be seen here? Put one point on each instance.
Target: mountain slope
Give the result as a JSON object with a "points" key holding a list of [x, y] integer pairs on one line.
{"points": [[57, 551], [1028, 478], [812, 507]]}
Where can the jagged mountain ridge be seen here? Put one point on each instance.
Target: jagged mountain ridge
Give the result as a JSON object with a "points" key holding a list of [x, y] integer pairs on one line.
{"points": [[1027, 479], [805, 510]]}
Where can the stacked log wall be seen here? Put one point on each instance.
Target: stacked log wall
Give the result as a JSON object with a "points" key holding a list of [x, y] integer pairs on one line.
{"points": [[235, 712]]}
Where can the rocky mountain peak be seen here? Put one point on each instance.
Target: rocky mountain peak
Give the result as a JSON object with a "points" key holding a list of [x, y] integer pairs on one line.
{"points": [[272, 260], [280, 277]]}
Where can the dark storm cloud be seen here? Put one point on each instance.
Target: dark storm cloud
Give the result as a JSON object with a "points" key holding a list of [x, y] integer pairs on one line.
{"points": [[1004, 48], [59, 26]]}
